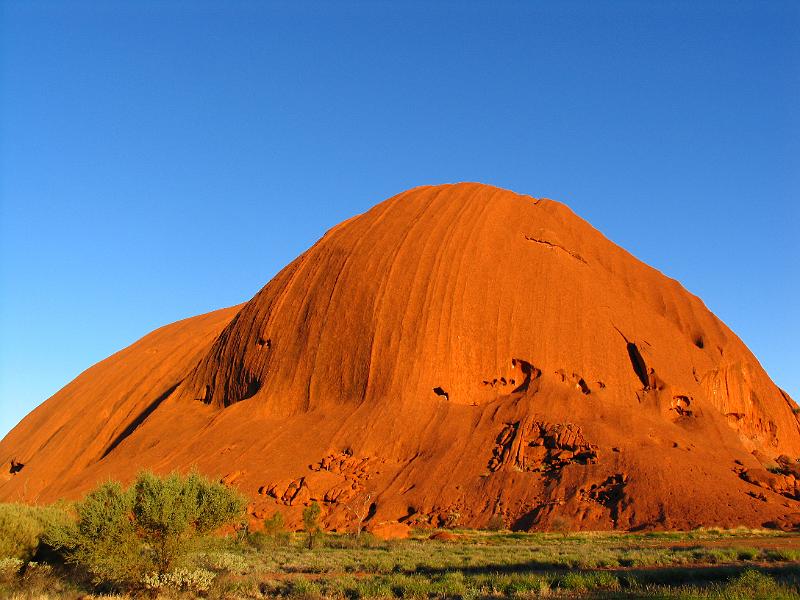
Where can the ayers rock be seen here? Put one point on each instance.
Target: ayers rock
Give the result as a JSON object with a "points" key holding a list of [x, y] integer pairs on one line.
{"points": [[457, 352]]}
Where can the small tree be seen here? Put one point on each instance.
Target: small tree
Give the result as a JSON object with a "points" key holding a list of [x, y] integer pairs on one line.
{"points": [[103, 539], [275, 524], [560, 525], [119, 534], [170, 512], [359, 507], [22, 527], [496, 523], [311, 522]]}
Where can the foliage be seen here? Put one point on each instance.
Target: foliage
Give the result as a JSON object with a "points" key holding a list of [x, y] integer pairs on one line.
{"points": [[311, 524], [721, 564], [275, 524], [102, 539], [169, 512], [180, 580], [226, 562], [22, 527], [560, 525], [754, 584], [120, 534], [272, 535], [496, 523], [10, 568]]}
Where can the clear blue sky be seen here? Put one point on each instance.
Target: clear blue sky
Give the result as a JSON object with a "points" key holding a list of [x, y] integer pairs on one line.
{"points": [[163, 159]]}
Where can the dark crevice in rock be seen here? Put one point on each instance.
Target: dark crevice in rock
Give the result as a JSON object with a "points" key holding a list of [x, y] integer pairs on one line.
{"points": [[609, 494], [574, 255], [528, 371], [440, 392], [638, 364], [680, 404], [253, 386], [140, 418]]}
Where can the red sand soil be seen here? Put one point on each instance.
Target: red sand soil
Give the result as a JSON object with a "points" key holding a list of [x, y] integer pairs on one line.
{"points": [[457, 352]]}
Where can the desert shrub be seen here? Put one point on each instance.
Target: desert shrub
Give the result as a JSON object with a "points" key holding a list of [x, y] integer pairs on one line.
{"points": [[226, 562], [38, 576], [781, 554], [354, 541], [496, 523], [747, 553], [121, 534], [451, 520], [311, 525], [306, 589], [560, 525], [169, 512], [752, 584], [264, 542], [10, 568], [22, 527], [275, 524], [273, 535], [181, 580], [371, 587], [409, 586], [102, 539], [583, 582]]}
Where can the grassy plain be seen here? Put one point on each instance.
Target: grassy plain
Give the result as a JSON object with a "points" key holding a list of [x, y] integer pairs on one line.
{"points": [[706, 563]]}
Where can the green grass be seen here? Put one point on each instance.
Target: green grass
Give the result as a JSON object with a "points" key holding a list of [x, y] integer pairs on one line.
{"points": [[708, 563]]}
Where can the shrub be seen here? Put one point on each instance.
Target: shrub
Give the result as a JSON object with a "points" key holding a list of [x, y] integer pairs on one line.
{"points": [[746, 553], [560, 525], [303, 588], [582, 582], [121, 534], [169, 512], [311, 522], [181, 580], [351, 541], [272, 535], [10, 568], [37, 574], [752, 584], [274, 524], [102, 539], [22, 526], [226, 562], [782, 554], [496, 523]]}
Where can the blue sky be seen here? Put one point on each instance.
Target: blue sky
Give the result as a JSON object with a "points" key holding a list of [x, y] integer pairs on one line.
{"points": [[163, 159]]}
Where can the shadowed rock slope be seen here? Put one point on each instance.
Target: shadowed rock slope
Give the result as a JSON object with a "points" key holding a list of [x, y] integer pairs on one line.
{"points": [[457, 352]]}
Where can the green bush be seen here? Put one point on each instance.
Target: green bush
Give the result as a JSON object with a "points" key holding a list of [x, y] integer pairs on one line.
{"points": [[22, 527], [180, 580], [305, 589], [120, 535], [275, 524], [226, 562], [747, 553], [10, 568], [311, 524], [273, 535], [582, 582], [752, 584], [496, 523]]}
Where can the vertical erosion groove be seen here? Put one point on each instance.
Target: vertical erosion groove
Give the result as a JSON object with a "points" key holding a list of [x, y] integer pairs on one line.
{"points": [[638, 364]]}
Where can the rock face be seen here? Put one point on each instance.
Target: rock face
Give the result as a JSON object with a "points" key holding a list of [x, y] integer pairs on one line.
{"points": [[456, 353]]}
